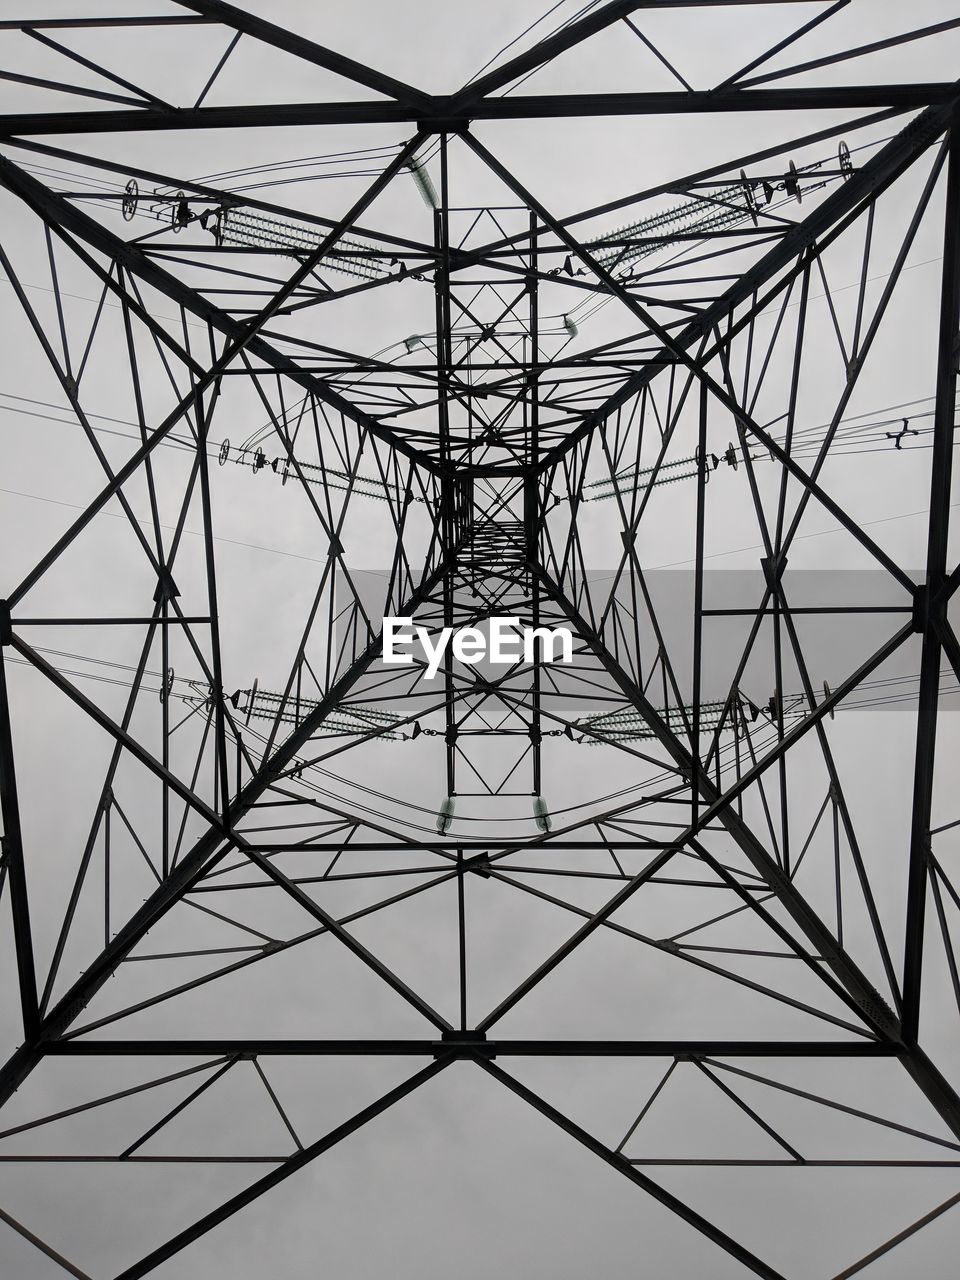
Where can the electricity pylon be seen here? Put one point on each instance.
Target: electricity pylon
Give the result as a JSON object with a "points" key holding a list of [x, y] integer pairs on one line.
{"points": [[241, 740]]}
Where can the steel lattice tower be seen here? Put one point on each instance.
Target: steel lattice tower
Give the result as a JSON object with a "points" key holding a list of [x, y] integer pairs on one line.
{"points": [[237, 845]]}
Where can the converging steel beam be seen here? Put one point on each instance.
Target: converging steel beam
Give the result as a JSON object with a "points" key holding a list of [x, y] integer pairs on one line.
{"points": [[933, 599], [758, 878], [293, 1164], [548, 49], [630, 1172], [865, 997], [12, 847], [874, 1008], [886, 166], [207, 850], [57, 211], [307, 50]]}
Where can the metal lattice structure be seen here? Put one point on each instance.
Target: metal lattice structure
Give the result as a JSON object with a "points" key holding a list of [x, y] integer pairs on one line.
{"points": [[210, 781]]}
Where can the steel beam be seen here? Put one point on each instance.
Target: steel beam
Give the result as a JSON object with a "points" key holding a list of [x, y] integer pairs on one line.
{"points": [[629, 1171], [207, 849], [886, 166], [871, 1005], [283, 1171], [307, 50], [874, 1008], [933, 600], [13, 860], [54, 209], [882, 1035], [443, 115], [463, 1043]]}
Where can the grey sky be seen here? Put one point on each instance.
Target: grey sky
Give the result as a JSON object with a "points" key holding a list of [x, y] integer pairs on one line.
{"points": [[462, 1176]]}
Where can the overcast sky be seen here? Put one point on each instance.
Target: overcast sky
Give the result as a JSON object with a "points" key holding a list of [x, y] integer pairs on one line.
{"points": [[462, 1176]]}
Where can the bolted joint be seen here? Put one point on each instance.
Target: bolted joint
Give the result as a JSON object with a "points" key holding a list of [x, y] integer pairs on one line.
{"points": [[480, 863], [929, 607], [878, 1011], [166, 589], [70, 1014], [444, 124], [921, 608], [465, 1044], [773, 570]]}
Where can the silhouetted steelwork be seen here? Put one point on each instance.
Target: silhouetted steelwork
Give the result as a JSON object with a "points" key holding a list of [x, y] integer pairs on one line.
{"points": [[481, 441]]}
